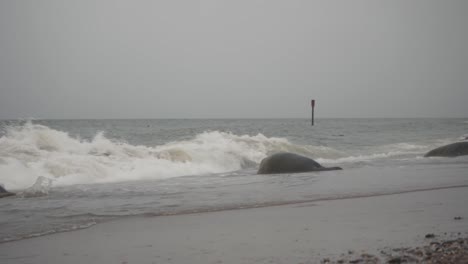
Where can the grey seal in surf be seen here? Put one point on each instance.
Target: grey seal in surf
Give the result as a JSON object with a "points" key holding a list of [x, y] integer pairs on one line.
{"points": [[5, 193], [451, 150], [285, 162]]}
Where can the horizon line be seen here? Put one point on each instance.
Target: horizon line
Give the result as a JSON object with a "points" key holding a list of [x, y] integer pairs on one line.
{"points": [[220, 118]]}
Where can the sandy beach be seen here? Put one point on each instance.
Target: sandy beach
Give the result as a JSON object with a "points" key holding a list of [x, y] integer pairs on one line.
{"points": [[243, 132], [293, 233]]}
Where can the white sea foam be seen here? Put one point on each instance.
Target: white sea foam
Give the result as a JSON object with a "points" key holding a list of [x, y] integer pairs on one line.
{"points": [[464, 137], [31, 150], [381, 152], [40, 188]]}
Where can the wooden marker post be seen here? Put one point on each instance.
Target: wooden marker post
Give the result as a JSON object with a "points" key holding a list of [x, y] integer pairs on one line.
{"points": [[312, 103]]}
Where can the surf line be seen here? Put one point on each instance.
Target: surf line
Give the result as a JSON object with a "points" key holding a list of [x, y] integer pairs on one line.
{"points": [[244, 206], [293, 202]]}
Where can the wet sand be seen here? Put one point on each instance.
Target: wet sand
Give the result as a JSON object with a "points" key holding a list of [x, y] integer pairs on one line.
{"points": [[293, 233]]}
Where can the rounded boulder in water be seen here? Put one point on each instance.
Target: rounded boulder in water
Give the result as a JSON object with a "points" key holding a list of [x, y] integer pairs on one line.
{"points": [[5, 193], [451, 150], [285, 162]]}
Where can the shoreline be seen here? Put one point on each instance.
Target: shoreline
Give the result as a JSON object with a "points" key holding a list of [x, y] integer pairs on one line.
{"points": [[306, 232], [241, 207]]}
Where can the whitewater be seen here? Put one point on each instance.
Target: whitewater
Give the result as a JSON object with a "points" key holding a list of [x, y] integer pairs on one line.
{"points": [[72, 174], [33, 150]]}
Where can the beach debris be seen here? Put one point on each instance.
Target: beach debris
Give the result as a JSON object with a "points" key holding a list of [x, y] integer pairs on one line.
{"points": [[396, 260], [364, 258], [457, 218], [441, 252], [430, 235], [403, 259]]}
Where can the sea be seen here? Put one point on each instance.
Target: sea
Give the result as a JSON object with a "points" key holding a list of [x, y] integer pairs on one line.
{"points": [[73, 174]]}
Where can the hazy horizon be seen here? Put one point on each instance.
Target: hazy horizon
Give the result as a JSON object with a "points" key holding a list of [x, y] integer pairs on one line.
{"points": [[227, 118], [233, 60]]}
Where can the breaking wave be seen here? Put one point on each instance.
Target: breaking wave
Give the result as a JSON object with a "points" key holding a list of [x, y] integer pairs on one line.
{"points": [[32, 150], [399, 150], [36, 157]]}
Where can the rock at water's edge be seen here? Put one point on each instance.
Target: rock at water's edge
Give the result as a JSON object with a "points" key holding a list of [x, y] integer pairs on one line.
{"points": [[285, 162], [451, 150]]}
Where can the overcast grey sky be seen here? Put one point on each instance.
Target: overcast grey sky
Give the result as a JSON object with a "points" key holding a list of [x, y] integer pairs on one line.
{"points": [[233, 59]]}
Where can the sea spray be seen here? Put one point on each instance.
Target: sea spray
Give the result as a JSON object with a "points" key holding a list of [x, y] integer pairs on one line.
{"points": [[31, 149], [40, 188]]}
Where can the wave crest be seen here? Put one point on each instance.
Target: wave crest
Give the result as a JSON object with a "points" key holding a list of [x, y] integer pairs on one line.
{"points": [[31, 150]]}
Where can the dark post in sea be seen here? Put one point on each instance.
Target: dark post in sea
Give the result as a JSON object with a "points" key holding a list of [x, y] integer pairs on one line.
{"points": [[312, 103]]}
